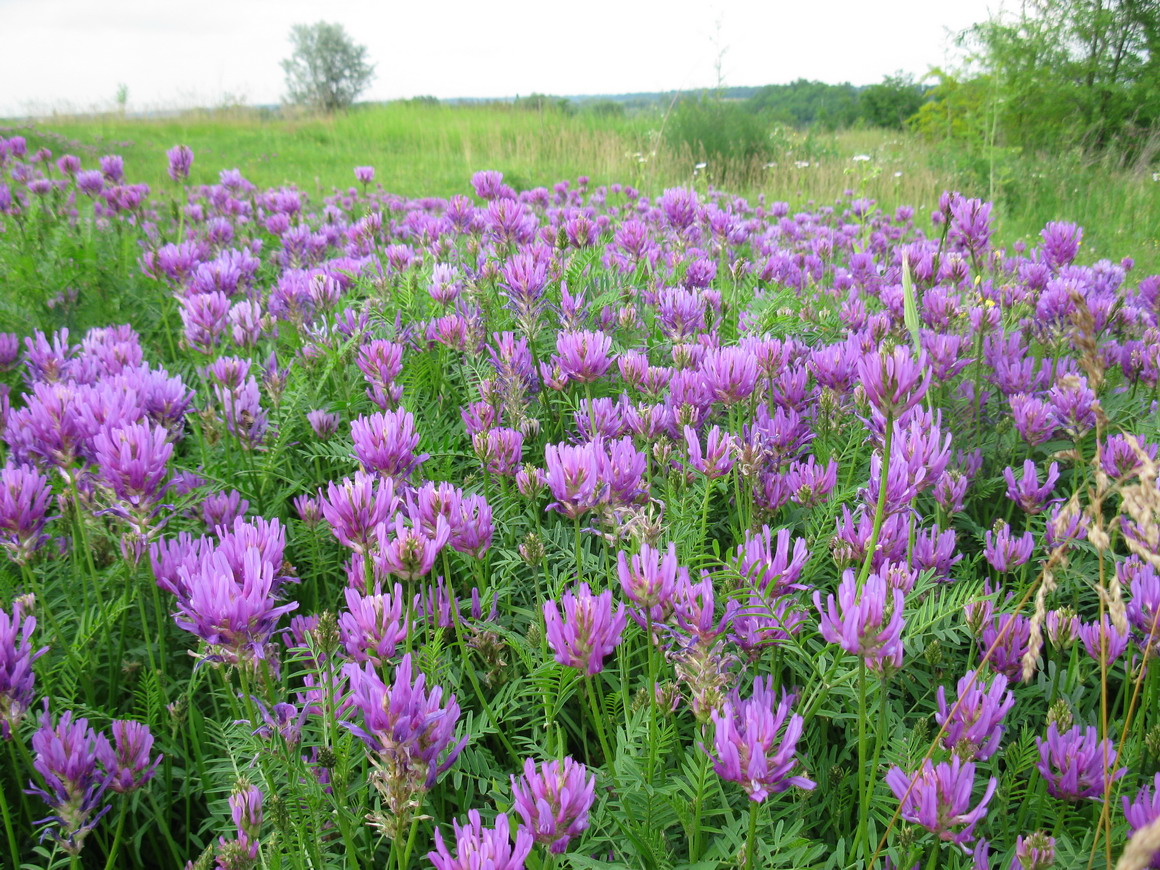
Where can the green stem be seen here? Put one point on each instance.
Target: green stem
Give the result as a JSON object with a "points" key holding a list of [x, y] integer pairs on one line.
{"points": [[702, 539], [932, 861], [698, 828], [469, 669], [13, 847], [116, 847], [405, 855], [863, 774], [752, 839], [880, 509], [579, 562], [601, 732]]}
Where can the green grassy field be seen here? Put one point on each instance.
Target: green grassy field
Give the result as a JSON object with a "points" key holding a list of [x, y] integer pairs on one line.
{"points": [[421, 149]]}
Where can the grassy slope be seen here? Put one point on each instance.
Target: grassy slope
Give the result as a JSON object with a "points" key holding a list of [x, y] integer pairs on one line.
{"points": [[431, 150]]}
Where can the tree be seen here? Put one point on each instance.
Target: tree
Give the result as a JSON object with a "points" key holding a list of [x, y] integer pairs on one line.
{"points": [[326, 70]]}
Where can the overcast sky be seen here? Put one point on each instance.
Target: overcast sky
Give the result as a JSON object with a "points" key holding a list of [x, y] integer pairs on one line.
{"points": [[72, 54]]}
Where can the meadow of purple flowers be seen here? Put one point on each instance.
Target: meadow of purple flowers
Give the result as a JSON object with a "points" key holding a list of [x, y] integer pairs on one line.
{"points": [[570, 527]]}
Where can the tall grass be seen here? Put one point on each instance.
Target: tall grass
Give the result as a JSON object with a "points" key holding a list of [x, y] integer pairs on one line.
{"points": [[424, 149]]}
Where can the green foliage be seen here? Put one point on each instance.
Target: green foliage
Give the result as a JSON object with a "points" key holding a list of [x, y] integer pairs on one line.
{"points": [[326, 70], [715, 130]]}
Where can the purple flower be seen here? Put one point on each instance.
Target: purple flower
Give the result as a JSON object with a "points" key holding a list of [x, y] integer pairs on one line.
{"points": [[1060, 243], [24, 498], [1144, 810], [576, 477], [1035, 420], [971, 223], [131, 765], [380, 362], [1026, 491], [583, 356], [471, 526], [553, 801], [386, 443], [866, 622], [764, 561], [1103, 641], [717, 458], [1073, 764], [132, 462], [894, 381], [373, 626], [1033, 852], [756, 740], [223, 508], [1010, 635], [974, 723], [355, 506], [938, 797], [364, 174], [480, 848], [730, 373], [649, 577], [246, 809], [409, 552], [588, 630], [16, 675], [1004, 551], [180, 162], [234, 613], [1144, 605], [408, 728], [73, 761], [324, 423]]}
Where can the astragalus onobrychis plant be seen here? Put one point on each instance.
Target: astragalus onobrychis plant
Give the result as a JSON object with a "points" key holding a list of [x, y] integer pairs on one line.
{"points": [[569, 528]]}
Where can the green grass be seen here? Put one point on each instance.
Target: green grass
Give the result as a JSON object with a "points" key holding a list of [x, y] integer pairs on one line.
{"points": [[421, 149]]}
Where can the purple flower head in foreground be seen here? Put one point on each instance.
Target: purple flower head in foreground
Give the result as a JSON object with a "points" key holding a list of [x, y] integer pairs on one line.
{"points": [[1033, 852], [730, 373], [1010, 635], [364, 174], [409, 552], [132, 462], [894, 381], [1060, 243], [1144, 810], [1103, 641], [16, 676], [974, 723], [1073, 763], [588, 630], [756, 740], [386, 443], [583, 356], [132, 767], [73, 761], [938, 797], [408, 729], [577, 476], [480, 848], [355, 506], [553, 801], [716, 460], [180, 162], [372, 626], [765, 562], [234, 615], [246, 809], [1004, 551], [971, 223], [24, 501], [1026, 491], [1035, 419], [324, 423], [866, 623], [649, 577]]}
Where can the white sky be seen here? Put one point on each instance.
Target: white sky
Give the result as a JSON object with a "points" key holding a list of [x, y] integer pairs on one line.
{"points": [[72, 54]]}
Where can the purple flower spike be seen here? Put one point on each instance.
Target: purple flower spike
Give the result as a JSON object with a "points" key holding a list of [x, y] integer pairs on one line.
{"points": [[974, 730], [386, 443], [755, 742], [583, 356], [867, 623], [1004, 551], [355, 506], [246, 810], [180, 162], [649, 577], [1103, 641], [409, 552], [16, 676], [480, 848], [373, 625], [894, 382], [408, 728], [717, 458], [577, 477], [1033, 852], [553, 801], [72, 759], [588, 631], [1144, 810], [132, 462], [24, 499], [1073, 764], [1026, 491], [938, 798], [364, 174], [132, 767]]}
